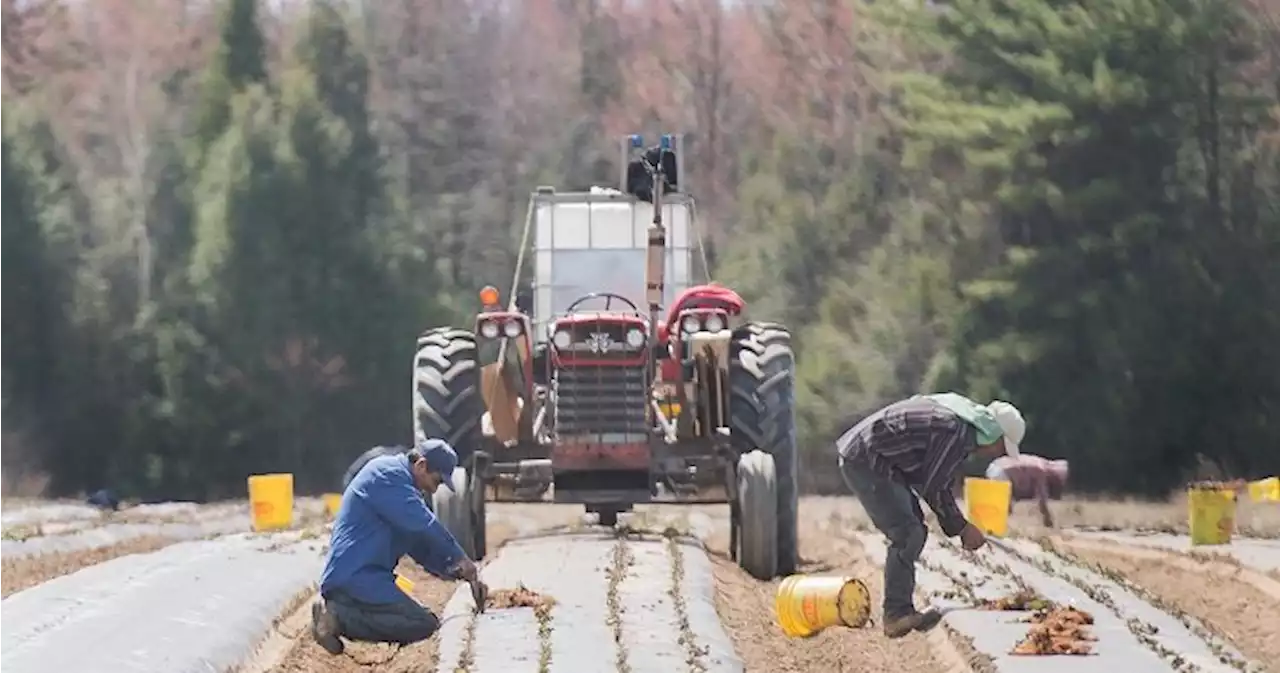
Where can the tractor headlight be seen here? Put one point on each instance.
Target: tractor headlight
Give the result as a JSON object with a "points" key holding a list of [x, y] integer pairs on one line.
{"points": [[512, 328], [714, 323], [690, 324], [635, 338], [562, 339], [489, 329]]}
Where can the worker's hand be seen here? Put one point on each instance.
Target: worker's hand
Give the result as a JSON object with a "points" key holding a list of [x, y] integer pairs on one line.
{"points": [[971, 538], [479, 594], [465, 570]]}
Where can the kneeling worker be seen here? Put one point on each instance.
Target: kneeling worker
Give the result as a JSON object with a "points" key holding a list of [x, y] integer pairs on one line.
{"points": [[913, 449], [383, 517]]}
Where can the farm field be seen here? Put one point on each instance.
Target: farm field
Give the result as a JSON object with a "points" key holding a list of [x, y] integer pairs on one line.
{"points": [[657, 594]]}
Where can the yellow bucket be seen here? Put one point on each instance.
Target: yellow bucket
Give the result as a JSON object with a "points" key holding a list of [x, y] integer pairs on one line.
{"points": [[806, 605], [405, 584], [987, 504], [1265, 490], [1212, 514], [271, 501], [332, 501]]}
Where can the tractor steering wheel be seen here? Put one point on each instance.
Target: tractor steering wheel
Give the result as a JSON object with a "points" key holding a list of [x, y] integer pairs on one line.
{"points": [[608, 298]]}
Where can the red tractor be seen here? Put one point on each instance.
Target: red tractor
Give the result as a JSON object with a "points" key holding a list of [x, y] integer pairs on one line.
{"points": [[581, 388]]}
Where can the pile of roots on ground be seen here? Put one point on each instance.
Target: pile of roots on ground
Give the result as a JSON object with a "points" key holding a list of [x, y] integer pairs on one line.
{"points": [[520, 597], [1055, 629], [1023, 600], [1058, 630]]}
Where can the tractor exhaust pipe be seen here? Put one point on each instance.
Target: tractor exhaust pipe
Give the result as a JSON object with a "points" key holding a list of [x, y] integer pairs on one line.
{"points": [[655, 270]]}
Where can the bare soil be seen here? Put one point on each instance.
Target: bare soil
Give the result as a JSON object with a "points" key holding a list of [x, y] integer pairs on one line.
{"points": [[747, 612], [431, 592], [307, 657], [1211, 591], [29, 571]]}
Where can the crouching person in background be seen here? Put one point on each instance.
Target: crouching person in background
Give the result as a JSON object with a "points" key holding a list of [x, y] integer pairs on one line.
{"points": [[383, 517], [1031, 477]]}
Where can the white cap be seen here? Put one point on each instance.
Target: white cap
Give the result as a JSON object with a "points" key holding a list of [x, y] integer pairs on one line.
{"points": [[1011, 422]]}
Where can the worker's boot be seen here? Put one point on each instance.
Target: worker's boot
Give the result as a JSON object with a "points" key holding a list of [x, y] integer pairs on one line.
{"points": [[324, 628], [916, 621]]}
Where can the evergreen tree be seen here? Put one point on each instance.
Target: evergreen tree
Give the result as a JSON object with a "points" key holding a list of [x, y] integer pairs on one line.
{"points": [[239, 61], [1079, 118]]}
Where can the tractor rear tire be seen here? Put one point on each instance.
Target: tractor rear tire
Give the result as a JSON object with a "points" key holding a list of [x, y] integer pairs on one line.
{"points": [[762, 416], [447, 405], [446, 393], [758, 504], [456, 511]]}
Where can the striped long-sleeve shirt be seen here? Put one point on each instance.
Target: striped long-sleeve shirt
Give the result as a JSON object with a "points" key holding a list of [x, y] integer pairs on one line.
{"points": [[920, 443]]}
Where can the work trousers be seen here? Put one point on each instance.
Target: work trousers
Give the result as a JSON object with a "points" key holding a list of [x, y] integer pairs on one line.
{"points": [[403, 622], [895, 510]]}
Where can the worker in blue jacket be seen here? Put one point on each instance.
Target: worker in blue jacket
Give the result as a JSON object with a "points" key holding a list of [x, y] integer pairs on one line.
{"points": [[383, 517]]}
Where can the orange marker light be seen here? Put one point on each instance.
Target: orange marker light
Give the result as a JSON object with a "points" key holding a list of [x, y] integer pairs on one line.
{"points": [[489, 296]]}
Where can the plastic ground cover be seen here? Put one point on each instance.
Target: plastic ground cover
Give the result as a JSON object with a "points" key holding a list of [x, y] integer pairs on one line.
{"points": [[38, 513], [1257, 553], [176, 521], [115, 533], [574, 570], [953, 579], [193, 606]]}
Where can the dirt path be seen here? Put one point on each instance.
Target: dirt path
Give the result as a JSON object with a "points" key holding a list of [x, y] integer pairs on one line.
{"points": [[307, 657], [1213, 592], [304, 656], [746, 609]]}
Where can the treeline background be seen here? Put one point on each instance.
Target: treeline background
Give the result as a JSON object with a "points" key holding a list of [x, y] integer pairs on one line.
{"points": [[225, 221]]}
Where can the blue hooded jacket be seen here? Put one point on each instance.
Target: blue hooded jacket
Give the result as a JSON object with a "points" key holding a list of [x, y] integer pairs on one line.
{"points": [[383, 517]]}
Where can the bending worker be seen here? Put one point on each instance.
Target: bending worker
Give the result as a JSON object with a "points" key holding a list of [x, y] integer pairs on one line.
{"points": [[383, 517], [1031, 477], [913, 449]]}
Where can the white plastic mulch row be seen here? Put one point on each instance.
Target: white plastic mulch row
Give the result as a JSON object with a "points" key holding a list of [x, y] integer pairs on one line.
{"points": [[193, 606], [115, 533], [574, 571], [1257, 553], [1167, 643], [37, 513], [192, 522]]}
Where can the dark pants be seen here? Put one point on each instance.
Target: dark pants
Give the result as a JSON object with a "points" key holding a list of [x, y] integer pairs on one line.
{"points": [[403, 621], [895, 510]]}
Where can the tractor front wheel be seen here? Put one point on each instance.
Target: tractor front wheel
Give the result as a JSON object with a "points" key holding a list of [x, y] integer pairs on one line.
{"points": [[762, 416], [457, 511], [758, 507]]}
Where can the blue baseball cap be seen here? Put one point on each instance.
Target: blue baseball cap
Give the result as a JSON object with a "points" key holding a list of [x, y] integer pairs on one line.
{"points": [[440, 457]]}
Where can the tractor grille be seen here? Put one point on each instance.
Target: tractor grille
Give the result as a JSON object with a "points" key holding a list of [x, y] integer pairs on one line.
{"points": [[606, 402], [599, 342]]}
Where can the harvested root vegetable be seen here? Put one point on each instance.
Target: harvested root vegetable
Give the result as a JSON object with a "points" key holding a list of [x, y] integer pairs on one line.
{"points": [[520, 597], [1023, 600], [1058, 630]]}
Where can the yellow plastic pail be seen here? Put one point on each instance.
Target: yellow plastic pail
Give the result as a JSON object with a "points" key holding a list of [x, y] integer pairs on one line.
{"points": [[405, 584], [271, 501], [1265, 490], [332, 501], [987, 504], [1212, 515], [806, 605]]}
